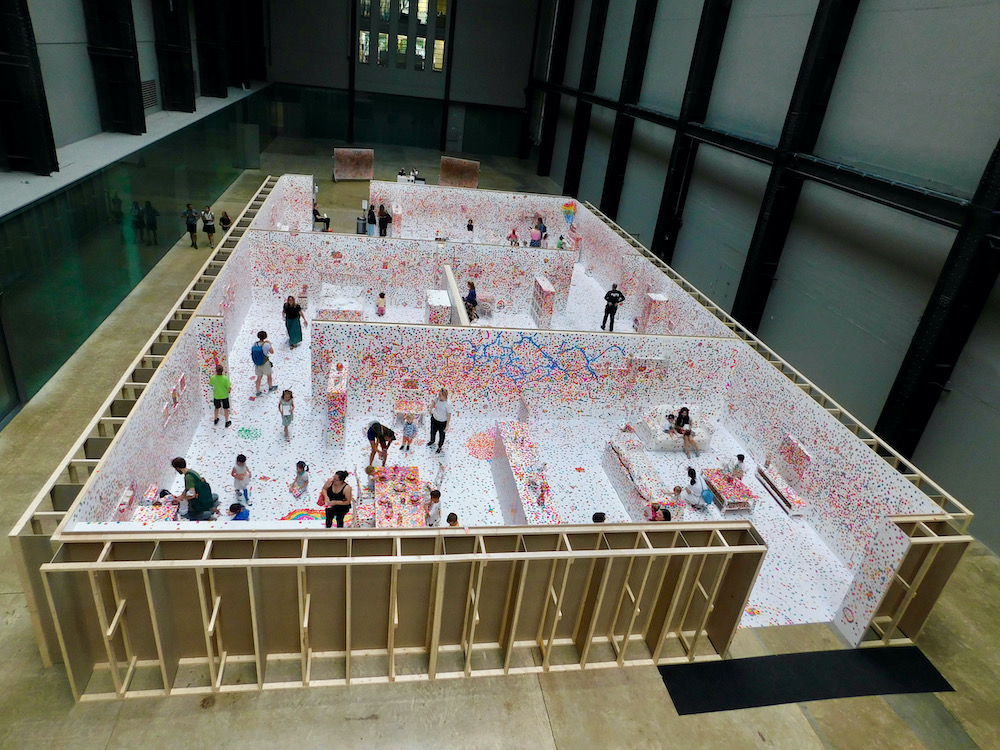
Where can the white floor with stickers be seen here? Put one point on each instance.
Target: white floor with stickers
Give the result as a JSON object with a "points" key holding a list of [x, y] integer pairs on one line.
{"points": [[801, 580]]}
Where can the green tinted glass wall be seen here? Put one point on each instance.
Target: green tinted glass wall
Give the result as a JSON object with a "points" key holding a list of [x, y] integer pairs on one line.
{"points": [[68, 260]]}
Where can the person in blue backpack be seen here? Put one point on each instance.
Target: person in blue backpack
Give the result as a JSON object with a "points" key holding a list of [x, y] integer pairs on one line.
{"points": [[261, 353]]}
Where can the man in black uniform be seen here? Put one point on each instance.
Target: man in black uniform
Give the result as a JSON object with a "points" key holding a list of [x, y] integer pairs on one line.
{"points": [[613, 299]]}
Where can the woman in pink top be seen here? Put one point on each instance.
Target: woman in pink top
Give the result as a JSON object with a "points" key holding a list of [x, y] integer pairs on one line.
{"points": [[536, 237]]}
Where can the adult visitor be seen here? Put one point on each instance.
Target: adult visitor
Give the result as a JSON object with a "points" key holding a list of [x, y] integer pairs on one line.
{"points": [[337, 497], [261, 353], [682, 425], [225, 222], [138, 222], [535, 237], [149, 215], [202, 503], [696, 492], [440, 411], [294, 320], [320, 219], [371, 221], [611, 301], [208, 225], [380, 438], [470, 302], [191, 222], [384, 219]]}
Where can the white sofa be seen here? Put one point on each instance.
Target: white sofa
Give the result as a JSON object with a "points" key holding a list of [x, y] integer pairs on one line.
{"points": [[650, 429], [636, 480]]}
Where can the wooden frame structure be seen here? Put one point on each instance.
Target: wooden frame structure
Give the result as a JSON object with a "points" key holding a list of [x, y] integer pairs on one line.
{"points": [[934, 551], [31, 537], [135, 614], [163, 614]]}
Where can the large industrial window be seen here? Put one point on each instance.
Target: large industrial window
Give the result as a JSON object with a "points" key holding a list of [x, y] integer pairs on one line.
{"points": [[383, 50], [438, 55], [400, 38], [364, 39], [419, 53], [401, 50]]}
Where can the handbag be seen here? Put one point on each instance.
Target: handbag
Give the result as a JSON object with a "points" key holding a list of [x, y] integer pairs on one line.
{"points": [[322, 500], [707, 496]]}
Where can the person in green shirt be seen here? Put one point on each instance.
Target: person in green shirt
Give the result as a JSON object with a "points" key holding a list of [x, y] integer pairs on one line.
{"points": [[220, 394], [202, 502]]}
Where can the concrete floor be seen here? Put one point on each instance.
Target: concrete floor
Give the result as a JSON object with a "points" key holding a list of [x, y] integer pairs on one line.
{"points": [[610, 708]]}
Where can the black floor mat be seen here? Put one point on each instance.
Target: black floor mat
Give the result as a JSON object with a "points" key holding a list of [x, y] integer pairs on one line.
{"points": [[794, 678]]}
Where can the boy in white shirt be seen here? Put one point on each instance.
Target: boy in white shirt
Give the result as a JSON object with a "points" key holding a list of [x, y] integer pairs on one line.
{"points": [[241, 479], [434, 509]]}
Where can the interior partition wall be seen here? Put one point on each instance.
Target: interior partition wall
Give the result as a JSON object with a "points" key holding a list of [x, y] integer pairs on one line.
{"points": [[68, 260]]}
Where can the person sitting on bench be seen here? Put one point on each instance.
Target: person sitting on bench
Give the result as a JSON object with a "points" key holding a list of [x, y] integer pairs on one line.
{"points": [[318, 219]]}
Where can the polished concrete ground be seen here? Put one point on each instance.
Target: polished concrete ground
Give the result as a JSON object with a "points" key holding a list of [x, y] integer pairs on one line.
{"points": [[597, 709]]}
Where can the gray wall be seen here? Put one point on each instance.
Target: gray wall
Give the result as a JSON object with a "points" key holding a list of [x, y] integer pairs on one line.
{"points": [[309, 43], [145, 44], [761, 53], [917, 92], [578, 41], [61, 36], [719, 217], [963, 437], [492, 52], [645, 175], [674, 29], [852, 284], [567, 106], [595, 157], [614, 48], [195, 64]]}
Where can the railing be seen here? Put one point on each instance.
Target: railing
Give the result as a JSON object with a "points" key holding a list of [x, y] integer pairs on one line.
{"points": [[189, 613], [30, 535]]}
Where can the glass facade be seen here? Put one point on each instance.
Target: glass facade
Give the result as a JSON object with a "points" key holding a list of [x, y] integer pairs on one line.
{"points": [[68, 260]]}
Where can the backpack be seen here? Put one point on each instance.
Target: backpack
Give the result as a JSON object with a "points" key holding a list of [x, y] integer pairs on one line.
{"points": [[257, 354]]}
